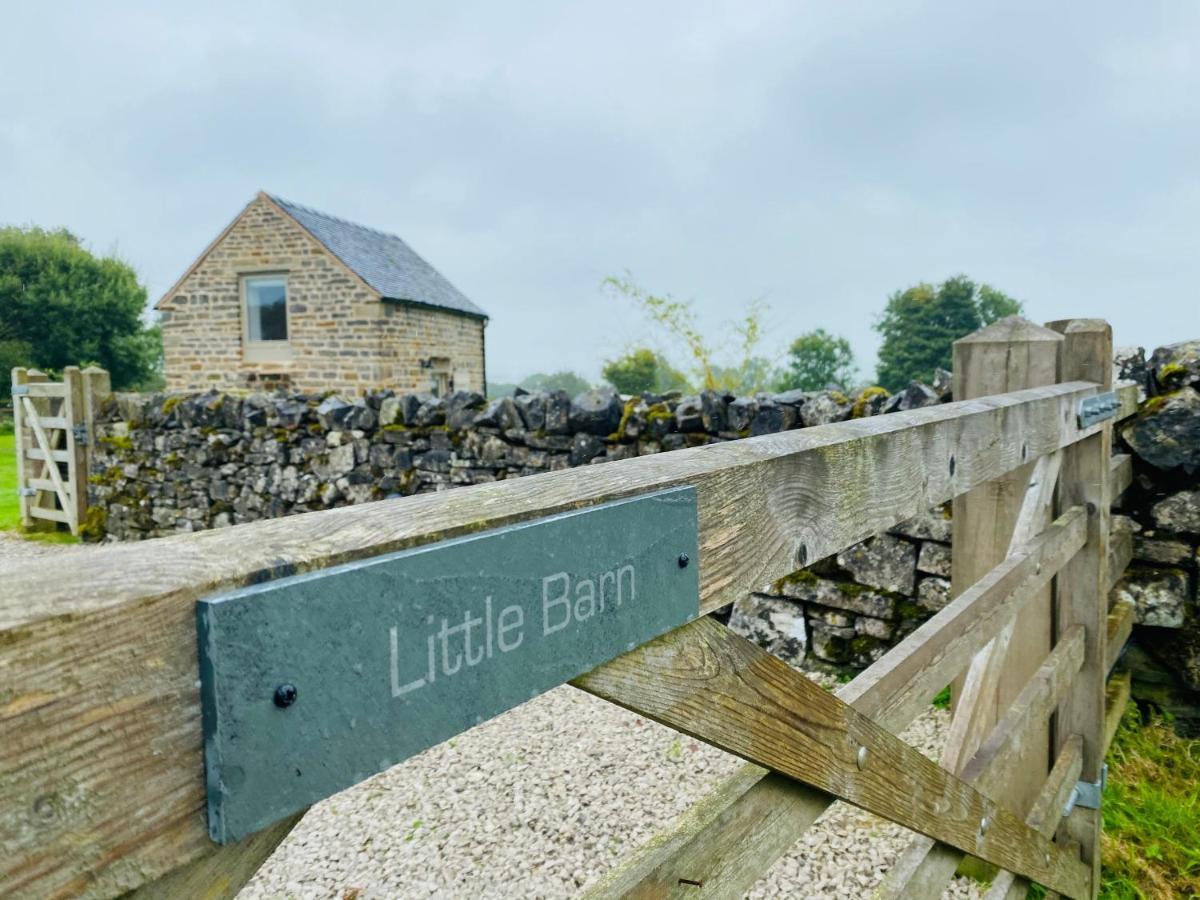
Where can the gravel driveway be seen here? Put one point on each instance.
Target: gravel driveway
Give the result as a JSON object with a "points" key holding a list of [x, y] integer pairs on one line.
{"points": [[542, 800]]}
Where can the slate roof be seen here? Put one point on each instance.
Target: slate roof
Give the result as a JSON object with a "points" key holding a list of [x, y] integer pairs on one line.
{"points": [[382, 260]]}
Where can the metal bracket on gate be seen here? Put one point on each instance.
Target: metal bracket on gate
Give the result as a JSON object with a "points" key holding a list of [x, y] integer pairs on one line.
{"points": [[27, 492], [81, 435], [19, 390], [1097, 408], [1087, 794]]}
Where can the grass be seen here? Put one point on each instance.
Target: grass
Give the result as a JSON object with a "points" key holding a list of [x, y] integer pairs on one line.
{"points": [[10, 511], [1151, 846], [10, 516]]}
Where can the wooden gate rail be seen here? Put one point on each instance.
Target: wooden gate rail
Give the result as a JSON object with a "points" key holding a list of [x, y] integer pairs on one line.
{"points": [[893, 692], [101, 777]]}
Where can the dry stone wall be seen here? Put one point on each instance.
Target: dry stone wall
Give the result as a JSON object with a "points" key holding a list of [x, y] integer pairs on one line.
{"points": [[163, 464]]}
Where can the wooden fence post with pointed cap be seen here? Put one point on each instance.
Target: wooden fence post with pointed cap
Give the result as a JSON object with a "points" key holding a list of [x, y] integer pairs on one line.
{"points": [[1081, 595], [1008, 355]]}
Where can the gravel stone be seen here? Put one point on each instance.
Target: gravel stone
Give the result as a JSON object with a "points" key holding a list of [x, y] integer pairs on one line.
{"points": [[543, 800]]}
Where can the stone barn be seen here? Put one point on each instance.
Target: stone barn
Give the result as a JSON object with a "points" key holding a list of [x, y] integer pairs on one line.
{"points": [[290, 297]]}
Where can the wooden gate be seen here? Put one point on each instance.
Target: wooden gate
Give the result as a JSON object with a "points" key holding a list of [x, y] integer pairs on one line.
{"points": [[52, 422], [102, 766]]}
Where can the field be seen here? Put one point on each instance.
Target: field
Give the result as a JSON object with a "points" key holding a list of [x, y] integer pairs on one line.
{"points": [[9, 517]]}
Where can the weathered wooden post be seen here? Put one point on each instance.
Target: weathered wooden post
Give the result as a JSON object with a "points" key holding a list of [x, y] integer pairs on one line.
{"points": [[1081, 594], [75, 438], [20, 377], [1009, 355]]}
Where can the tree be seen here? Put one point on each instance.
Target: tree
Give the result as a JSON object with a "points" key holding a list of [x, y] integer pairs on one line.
{"points": [[677, 320], [633, 373], [920, 324], [70, 307], [570, 382], [642, 370], [816, 359]]}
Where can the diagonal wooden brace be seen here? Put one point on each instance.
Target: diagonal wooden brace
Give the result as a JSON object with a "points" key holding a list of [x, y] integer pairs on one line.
{"points": [[708, 682]]}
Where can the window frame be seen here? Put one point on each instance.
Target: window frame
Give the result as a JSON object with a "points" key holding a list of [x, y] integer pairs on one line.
{"points": [[264, 351]]}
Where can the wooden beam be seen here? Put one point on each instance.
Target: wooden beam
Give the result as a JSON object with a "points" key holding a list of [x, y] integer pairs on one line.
{"points": [[1126, 391], [712, 684], [50, 515], [738, 831], [1120, 477], [1082, 587], [221, 874], [1009, 355], [1116, 696], [114, 629], [926, 867], [1120, 553], [41, 455], [75, 500], [20, 378], [45, 389], [981, 696], [1118, 627], [1045, 814]]}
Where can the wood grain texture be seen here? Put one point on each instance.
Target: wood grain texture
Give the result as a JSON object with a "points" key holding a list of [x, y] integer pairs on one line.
{"points": [[75, 503], [1116, 695], [1082, 586], [1011, 354], [20, 377], [926, 867], [981, 695], [1120, 554], [101, 785], [1118, 627], [1045, 814], [738, 831], [220, 875], [706, 681], [1120, 477], [721, 842]]}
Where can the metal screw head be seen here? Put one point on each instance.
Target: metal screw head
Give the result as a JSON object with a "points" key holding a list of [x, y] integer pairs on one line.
{"points": [[285, 695], [683, 560], [983, 824], [861, 758]]}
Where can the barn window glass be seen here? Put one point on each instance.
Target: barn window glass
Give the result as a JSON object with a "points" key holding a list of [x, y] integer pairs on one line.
{"points": [[266, 308]]}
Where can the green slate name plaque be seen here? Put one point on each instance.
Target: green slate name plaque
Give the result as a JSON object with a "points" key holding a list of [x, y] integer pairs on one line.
{"points": [[312, 683]]}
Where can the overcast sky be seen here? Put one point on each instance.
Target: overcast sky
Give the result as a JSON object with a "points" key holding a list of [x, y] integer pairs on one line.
{"points": [[817, 156]]}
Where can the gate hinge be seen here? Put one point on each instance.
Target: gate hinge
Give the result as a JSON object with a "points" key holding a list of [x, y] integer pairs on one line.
{"points": [[1087, 793], [20, 390], [81, 435], [27, 492], [1098, 408]]}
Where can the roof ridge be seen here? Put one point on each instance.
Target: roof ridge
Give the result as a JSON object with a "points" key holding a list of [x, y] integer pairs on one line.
{"points": [[383, 260], [312, 210]]}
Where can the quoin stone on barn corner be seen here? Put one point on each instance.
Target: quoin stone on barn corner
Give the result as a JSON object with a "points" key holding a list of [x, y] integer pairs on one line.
{"points": [[290, 297]]}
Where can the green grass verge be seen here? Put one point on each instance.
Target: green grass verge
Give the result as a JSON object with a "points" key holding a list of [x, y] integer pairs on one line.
{"points": [[10, 510], [10, 516], [1151, 846]]}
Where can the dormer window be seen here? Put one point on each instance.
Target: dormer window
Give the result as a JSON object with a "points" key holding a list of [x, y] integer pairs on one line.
{"points": [[265, 316]]}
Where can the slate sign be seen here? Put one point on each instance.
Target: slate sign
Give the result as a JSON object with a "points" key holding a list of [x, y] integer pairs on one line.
{"points": [[312, 683]]}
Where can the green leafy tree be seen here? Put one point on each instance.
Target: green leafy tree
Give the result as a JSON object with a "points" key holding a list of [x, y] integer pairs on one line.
{"points": [[71, 307], [642, 370], [570, 382], [919, 326], [816, 359], [633, 373], [677, 320]]}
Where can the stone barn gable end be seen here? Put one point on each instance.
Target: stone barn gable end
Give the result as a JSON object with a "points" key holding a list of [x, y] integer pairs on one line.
{"points": [[288, 296]]}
